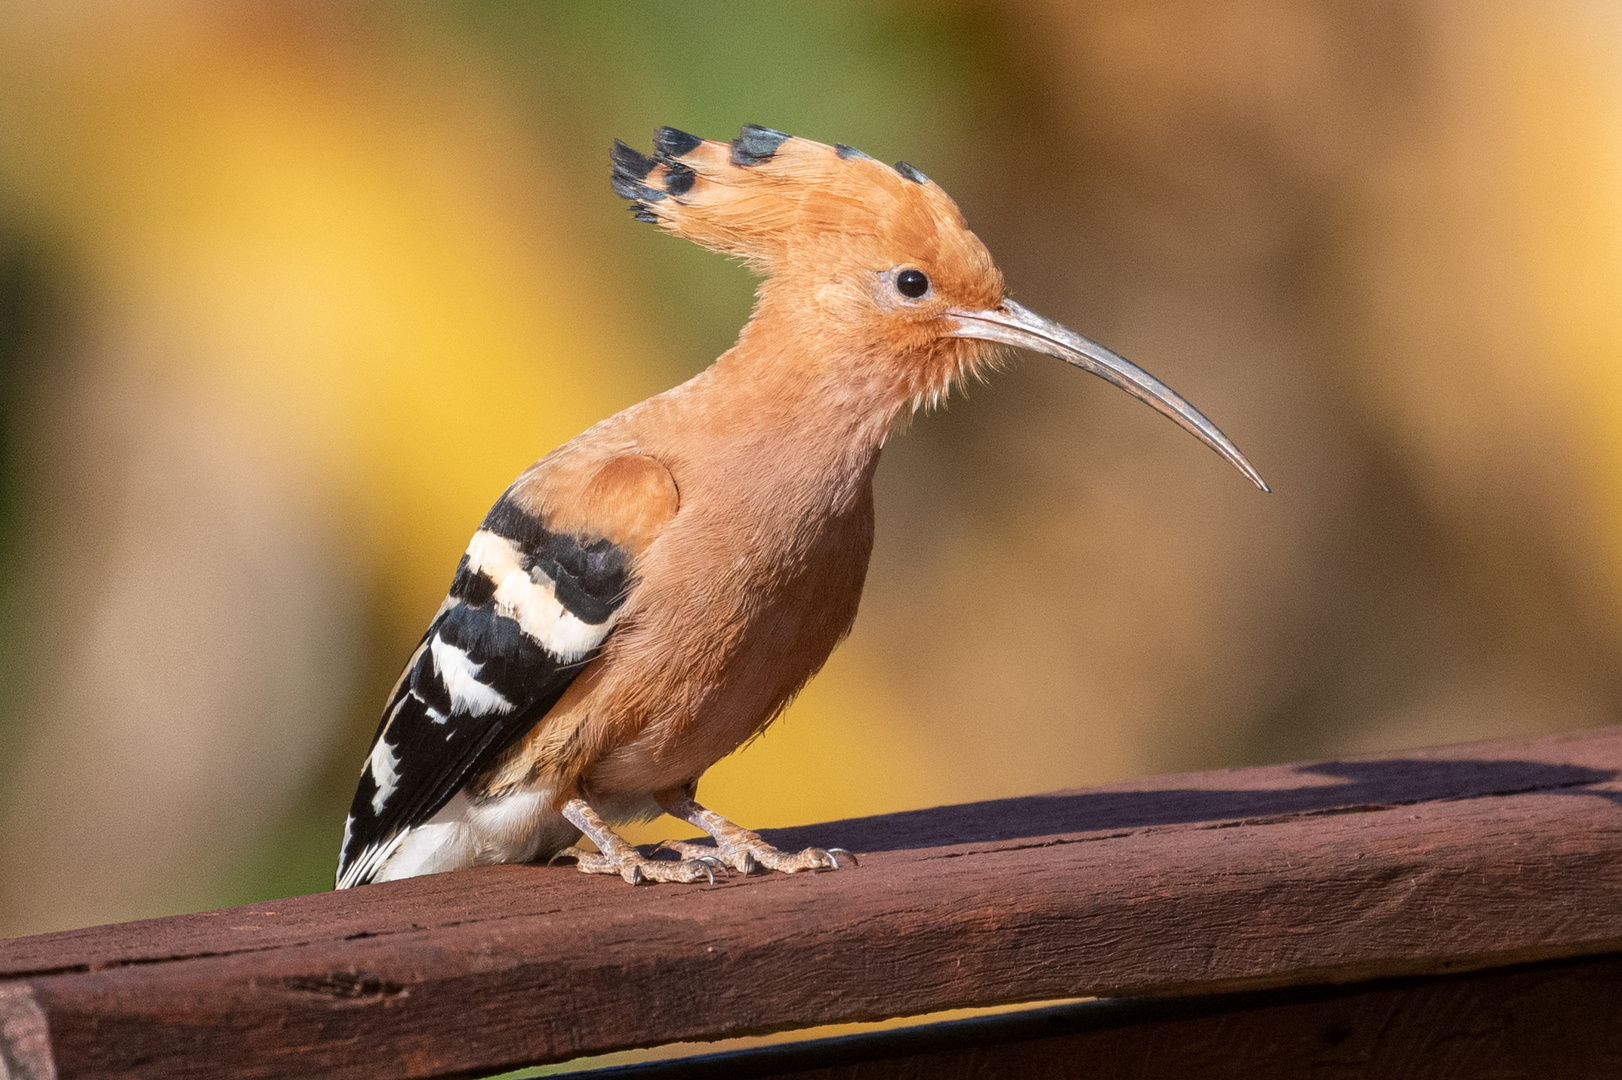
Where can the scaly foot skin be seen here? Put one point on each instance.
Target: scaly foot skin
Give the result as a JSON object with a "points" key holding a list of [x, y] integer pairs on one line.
{"points": [[740, 848], [638, 869], [615, 856], [749, 854]]}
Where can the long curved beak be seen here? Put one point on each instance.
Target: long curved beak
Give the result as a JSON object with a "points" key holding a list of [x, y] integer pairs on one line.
{"points": [[1011, 324]]}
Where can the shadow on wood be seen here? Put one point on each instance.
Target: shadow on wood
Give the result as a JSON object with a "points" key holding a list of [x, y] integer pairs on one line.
{"points": [[1340, 786]]}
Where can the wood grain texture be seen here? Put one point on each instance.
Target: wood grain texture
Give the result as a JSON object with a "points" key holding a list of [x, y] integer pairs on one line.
{"points": [[1447, 860], [1556, 1019]]}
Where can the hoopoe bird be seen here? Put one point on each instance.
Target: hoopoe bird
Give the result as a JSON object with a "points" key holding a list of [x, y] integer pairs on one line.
{"points": [[650, 595]]}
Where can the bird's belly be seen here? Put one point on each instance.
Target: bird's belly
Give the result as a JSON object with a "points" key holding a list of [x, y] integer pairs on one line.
{"points": [[716, 699], [770, 663]]}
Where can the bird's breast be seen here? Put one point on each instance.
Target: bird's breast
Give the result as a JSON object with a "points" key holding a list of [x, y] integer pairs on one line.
{"points": [[738, 603]]}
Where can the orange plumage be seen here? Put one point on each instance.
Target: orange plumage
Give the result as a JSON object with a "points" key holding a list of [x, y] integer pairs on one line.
{"points": [[650, 595]]}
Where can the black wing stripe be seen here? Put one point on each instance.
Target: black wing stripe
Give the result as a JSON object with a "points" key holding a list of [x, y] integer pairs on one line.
{"points": [[471, 587], [588, 578], [435, 748], [478, 682]]}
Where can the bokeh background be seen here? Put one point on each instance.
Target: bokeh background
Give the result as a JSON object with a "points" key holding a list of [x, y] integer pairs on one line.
{"points": [[289, 291]]}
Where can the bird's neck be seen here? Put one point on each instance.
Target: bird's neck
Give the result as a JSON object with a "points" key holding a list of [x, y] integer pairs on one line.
{"points": [[783, 419], [825, 396]]}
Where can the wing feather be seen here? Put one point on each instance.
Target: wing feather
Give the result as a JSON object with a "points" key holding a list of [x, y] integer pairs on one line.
{"points": [[531, 604]]}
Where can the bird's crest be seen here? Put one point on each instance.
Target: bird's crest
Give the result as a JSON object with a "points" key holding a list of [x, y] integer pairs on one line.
{"points": [[778, 201]]}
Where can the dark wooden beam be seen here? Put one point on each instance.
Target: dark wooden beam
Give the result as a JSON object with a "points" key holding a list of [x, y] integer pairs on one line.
{"points": [[1561, 1018], [1459, 859]]}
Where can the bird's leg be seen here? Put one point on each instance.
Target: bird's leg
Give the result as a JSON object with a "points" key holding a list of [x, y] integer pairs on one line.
{"points": [[615, 856], [740, 848]]}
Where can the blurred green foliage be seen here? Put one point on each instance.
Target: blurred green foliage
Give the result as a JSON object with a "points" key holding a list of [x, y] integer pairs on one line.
{"points": [[893, 78]]}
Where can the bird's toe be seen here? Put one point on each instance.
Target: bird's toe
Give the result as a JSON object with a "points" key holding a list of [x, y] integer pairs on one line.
{"points": [[756, 857], [687, 849], [638, 869], [569, 856], [810, 859], [686, 871], [589, 862], [737, 857]]}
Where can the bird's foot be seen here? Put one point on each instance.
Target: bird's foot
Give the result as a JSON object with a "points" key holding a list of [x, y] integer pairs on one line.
{"points": [[742, 849], [638, 869], [747, 853], [615, 856]]}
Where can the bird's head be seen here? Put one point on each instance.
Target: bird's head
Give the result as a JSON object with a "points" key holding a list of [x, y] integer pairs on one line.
{"points": [[874, 263]]}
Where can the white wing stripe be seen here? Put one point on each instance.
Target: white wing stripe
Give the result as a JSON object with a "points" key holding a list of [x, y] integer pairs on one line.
{"points": [[385, 769], [374, 856], [461, 677], [532, 601]]}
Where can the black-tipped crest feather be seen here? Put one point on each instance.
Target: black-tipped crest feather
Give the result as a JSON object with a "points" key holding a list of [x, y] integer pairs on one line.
{"points": [[669, 142], [630, 161], [911, 173], [756, 144], [679, 178], [631, 168]]}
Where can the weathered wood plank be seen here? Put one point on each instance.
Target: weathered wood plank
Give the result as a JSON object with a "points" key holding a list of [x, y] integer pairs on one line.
{"points": [[1561, 1018], [1447, 860]]}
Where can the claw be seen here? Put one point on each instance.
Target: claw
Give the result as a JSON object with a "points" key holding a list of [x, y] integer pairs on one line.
{"points": [[569, 856]]}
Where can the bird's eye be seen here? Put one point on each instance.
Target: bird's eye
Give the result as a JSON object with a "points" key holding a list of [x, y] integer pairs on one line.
{"points": [[912, 283]]}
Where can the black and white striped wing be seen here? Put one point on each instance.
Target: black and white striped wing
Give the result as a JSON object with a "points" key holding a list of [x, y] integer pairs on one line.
{"points": [[528, 609]]}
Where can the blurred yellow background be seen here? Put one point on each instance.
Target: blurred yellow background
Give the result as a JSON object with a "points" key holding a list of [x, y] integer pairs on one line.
{"points": [[289, 291]]}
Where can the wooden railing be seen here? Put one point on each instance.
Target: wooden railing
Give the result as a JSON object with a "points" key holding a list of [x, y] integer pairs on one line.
{"points": [[1449, 912]]}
